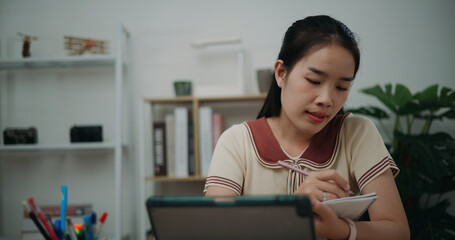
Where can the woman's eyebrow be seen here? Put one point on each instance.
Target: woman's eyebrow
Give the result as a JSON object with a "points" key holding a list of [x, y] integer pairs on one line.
{"points": [[319, 72]]}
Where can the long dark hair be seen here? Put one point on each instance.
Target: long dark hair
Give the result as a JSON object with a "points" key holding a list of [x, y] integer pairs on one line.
{"points": [[303, 36]]}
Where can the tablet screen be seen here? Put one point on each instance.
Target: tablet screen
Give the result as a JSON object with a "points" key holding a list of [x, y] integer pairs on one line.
{"points": [[243, 217]]}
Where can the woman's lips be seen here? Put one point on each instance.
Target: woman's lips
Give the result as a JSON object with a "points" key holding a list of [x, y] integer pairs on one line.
{"points": [[317, 117]]}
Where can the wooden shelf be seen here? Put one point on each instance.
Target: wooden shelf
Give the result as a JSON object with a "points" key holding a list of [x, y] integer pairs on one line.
{"points": [[69, 61], [175, 179], [194, 103], [233, 98], [190, 99]]}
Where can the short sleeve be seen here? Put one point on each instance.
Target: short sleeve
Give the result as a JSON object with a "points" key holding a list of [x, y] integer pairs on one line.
{"points": [[368, 155], [227, 168]]}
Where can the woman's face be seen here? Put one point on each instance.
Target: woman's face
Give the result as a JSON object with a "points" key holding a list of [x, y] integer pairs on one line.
{"points": [[316, 88]]}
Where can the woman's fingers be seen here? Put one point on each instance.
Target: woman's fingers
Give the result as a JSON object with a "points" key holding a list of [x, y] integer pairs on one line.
{"points": [[332, 175], [333, 190], [319, 209], [328, 181], [327, 223]]}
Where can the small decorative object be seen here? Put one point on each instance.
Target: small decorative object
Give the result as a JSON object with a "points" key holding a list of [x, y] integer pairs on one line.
{"points": [[20, 136], [265, 78], [86, 134], [27, 41], [183, 88], [80, 46]]}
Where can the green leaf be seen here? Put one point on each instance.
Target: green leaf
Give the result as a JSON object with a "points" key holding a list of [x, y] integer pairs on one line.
{"points": [[370, 111], [402, 95], [429, 99], [388, 88], [448, 94], [450, 114], [428, 94], [411, 108], [445, 91], [452, 96], [385, 98]]}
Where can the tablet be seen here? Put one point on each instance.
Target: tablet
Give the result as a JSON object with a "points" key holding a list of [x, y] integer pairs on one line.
{"points": [[241, 217]]}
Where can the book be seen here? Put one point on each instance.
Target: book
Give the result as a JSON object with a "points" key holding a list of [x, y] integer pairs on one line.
{"points": [[170, 144], [352, 207], [181, 141], [159, 149], [191, 165], [205, 138], [217, 126]]}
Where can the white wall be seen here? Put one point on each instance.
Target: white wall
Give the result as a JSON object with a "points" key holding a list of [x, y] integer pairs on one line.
{"points": [[406, 41]]}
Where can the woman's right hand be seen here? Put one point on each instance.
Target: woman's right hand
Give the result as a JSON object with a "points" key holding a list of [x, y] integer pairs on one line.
{"points": [[318, 182]]}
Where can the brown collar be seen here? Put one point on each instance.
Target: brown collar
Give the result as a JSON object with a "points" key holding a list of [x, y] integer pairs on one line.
{"points": [[320, 150]]}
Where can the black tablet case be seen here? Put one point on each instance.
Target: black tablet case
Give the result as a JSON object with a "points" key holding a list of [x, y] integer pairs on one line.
{"points": [[242, 217]]}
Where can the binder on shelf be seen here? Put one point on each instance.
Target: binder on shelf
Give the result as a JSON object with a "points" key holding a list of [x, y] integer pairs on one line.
{"points": [[191, 162], [205, 137], [170, 144], [159, 149], [181, 141]]}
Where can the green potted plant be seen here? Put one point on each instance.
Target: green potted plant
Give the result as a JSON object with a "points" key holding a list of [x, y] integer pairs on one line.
{"points": [[426, 158]]}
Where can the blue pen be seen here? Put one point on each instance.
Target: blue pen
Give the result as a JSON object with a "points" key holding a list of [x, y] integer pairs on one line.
{"points": [[63, 207], [58, 229], [93, 218], [88, 228]]}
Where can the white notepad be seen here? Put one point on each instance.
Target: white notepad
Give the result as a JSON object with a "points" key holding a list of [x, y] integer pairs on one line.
{"points": [[352, 207]]}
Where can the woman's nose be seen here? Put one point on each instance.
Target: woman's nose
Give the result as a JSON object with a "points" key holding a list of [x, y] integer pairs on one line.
{"points": [[324, 97]]}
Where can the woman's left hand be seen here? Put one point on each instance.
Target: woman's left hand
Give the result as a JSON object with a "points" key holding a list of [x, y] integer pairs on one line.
{"points": [[326, 222]]}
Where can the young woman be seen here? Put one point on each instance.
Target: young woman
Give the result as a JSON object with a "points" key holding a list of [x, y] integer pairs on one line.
{"points": [[299, 124]]}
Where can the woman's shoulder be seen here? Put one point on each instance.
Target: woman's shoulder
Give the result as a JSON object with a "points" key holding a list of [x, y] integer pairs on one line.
{"points": [[356, 121], [245, 130], [246, 126], [355, 126], [235, 130]]}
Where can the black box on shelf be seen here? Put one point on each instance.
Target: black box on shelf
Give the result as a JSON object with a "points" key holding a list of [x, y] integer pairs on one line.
{"points": [[20, 136], [86, 134]]}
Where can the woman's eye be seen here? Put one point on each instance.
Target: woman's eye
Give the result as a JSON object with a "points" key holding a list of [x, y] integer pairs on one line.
{"points": [[313, 82], [342, 88]]}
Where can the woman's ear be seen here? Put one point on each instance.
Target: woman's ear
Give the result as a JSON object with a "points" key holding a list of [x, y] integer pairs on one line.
{"points": [[280, 73]]}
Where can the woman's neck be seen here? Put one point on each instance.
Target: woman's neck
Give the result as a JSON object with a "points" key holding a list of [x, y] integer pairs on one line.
{"points": [[288, 136]]}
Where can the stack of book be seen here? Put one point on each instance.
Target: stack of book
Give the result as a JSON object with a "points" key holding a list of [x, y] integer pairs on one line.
{"points": [[173, 142]]}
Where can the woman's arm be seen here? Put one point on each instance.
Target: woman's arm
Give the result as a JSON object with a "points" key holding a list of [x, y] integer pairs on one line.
{"points": [[214, 191], [387, 216]]}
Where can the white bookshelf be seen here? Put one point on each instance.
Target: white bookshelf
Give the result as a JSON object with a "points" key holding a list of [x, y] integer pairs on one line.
{"points": [[117, 62]]}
